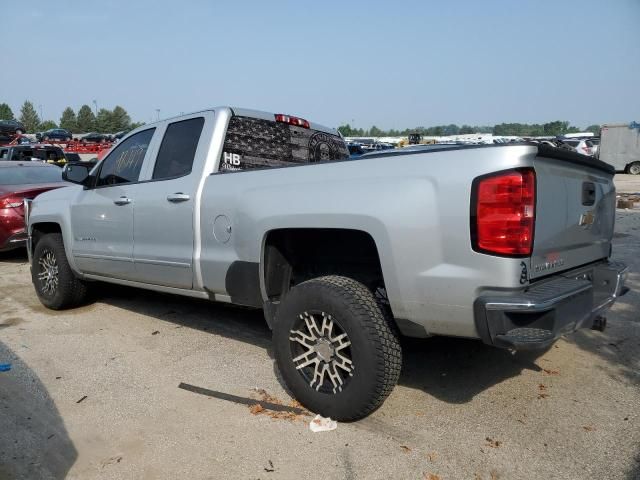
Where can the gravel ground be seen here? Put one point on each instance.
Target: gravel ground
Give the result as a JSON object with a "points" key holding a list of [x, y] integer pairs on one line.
{"points": [[93, 394]]}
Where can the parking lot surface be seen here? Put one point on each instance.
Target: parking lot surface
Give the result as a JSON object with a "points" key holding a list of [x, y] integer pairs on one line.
{"points": [[93, 394]]}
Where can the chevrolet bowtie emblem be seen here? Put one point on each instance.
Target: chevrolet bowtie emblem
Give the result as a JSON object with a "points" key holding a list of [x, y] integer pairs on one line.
{"points": [[586, 219]]}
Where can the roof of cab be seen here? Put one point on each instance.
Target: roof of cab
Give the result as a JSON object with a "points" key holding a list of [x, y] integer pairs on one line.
{"points": [[247, 112]]}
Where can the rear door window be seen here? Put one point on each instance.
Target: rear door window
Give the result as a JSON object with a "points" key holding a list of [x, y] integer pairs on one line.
{"points": [[254, 143], [178, 149]]}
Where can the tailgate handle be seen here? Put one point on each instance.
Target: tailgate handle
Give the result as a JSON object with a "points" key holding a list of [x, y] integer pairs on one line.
{"points": [[588, 194]]}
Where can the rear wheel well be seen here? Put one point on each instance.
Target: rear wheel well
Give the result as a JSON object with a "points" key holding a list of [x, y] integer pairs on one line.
{"points": [[292, 256]]}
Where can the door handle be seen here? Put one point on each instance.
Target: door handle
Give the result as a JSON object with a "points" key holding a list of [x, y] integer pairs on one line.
{"points": [[122, 201], [178, 197]]}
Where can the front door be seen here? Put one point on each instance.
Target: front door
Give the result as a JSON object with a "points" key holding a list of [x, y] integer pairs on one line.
{"points": [[164, 212], [102, 218]]}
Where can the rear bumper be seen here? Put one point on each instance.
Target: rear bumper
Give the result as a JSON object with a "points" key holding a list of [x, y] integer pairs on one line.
{"points": [[537, 316]]}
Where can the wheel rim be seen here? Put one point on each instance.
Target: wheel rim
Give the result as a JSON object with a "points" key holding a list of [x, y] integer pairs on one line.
{"points": [[321, 352], [634, 169], [48, 273]]}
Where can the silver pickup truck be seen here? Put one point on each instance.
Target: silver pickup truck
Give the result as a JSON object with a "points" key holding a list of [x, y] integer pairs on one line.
{"points": [[509, 244]]}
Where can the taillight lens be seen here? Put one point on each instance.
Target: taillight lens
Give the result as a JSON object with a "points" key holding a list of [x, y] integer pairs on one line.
{"points": [[298, 122], [503, 216], [11, 202]]}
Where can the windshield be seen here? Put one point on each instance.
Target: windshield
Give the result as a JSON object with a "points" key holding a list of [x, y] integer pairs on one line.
{"points": [[29, 175]]}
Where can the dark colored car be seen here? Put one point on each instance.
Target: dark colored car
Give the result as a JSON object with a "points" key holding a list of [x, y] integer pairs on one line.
{"points": [[55, 134], [26, 153], [20, 180], [355, 150], [119, 135], [95, 138], [11, 127]]}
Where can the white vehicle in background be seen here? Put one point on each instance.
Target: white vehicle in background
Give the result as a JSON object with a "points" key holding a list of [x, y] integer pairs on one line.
{"points": [[620, 146], [580, 145]]}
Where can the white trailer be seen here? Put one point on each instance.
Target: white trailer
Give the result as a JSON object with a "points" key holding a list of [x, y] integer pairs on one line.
{"points": [[620, 146]]}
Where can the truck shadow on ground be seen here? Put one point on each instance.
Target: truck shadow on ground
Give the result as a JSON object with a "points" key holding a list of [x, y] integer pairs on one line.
{"points": [[33, 440], [18, 256], [453, 370]]}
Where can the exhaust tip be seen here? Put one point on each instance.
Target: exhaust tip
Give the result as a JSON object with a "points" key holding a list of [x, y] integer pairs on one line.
{"points": [[599, 323]]}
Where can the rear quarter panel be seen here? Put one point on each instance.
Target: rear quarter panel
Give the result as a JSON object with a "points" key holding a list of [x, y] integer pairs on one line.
{"points": [[415, 207]]}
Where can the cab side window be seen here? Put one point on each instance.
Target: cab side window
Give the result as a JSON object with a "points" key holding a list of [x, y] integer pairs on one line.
{"points": [[124, 163], [178, 149]]}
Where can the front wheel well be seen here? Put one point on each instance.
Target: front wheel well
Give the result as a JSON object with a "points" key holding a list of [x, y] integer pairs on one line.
{"points": [[40, 229]]}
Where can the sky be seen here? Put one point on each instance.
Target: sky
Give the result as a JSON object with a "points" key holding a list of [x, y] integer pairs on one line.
{"points": [[397, 64]]}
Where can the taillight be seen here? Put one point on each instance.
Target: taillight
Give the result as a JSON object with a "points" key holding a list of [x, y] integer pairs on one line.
{"points": [[11, 202], [503, 213], [298, 122]]}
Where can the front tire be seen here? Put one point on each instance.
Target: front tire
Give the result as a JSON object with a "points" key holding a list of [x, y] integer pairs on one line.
{"points": [[56, 285], [336, 349]]}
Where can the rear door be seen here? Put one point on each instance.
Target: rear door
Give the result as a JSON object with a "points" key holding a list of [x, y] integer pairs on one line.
{"points": [[575, 212], [165, 203]]}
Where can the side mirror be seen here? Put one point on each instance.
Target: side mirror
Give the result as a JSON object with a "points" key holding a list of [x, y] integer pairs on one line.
{"points": [[77, 173]]}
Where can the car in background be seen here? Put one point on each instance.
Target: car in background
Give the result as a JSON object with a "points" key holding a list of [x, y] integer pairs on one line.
{"points": [[20, 180], [95, 137], [355, 150], [118, 135], [595, 146], [55, 134], [38, 153], [579, 145], [11, 127]]}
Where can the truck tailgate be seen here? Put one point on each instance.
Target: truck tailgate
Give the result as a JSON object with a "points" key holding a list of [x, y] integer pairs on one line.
{"points": [[575, 211]]}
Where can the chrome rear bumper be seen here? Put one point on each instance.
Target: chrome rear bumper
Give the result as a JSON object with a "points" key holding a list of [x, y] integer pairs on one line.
{"points": [[538, 315]]}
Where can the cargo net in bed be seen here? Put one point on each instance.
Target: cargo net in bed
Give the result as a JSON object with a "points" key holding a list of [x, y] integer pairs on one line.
{"points": [[253, 143]]}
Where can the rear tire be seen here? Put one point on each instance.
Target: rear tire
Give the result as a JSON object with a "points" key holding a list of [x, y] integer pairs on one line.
{"points": [[337, 351], [56, 285], [633, 168]]}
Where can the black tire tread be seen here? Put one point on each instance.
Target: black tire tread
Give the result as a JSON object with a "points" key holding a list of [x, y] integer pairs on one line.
{"points": [[73, 291], [379, 328]]}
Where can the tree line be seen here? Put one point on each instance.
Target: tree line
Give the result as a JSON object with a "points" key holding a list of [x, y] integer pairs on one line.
{"points": [[111, 121], [554, 128], [106, 121]]}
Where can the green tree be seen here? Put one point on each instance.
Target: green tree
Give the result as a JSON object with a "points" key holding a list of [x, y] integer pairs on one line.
{"points": [[556, 128], [104, 121], [47, 125], [346, 130], [5, 112], [120, 119], [376, 132], [29, 117], [68, 120], [86, 120], [595, 129], [135, 125], [451, 129]]}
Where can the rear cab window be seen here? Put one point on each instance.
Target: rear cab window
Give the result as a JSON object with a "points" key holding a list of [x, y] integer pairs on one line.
{"points": [[254, 143], [178, 149]]}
